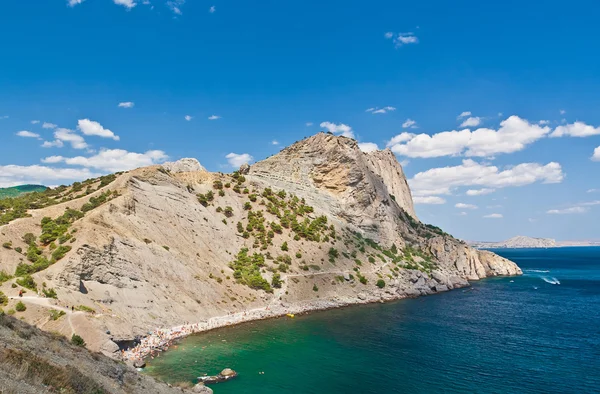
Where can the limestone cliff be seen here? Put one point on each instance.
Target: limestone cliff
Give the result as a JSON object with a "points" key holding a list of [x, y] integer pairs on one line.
{"points": [[314, 226]]}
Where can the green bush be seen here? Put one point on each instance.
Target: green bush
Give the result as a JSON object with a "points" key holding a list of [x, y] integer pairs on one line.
{"points": [[380, 283], [60, 252], [371, 259], [3, 299], [284, 246], [50, 293], [20, 307], [27, 282], [77, 340], [315, 287], [276, 281], [29, 238], [4, 277], [7, 245], [55, 315]]}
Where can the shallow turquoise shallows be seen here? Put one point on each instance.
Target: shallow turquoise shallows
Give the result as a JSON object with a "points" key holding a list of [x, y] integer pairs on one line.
{"points": [[538, 333]]}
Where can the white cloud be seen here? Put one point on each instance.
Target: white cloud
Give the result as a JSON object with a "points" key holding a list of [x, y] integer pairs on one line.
{"points": [[28, 134], [342, 129], [596, 155], [53, 159], [544, 122], [4, 117], [401, 39], [214, 117], [66, 135], [383, 110], [175, 6], [212, 9], [464, 114], [465, 206], [113, 160], [274, 142], [409, 123], [562, 112], [513, 135], [429, 200], [479, 192], [47, 125], [188, 117], [443, 180], [73, 3], [577, 129], [402, 137], [90, 127], [593, 190], [35, 121], [368, 147], [473, 121], [129, 4], [494, 216], [308, 124], [567, 211], [236, 160], [53, 144], [126, 104], [463, 213], [11, 175]]}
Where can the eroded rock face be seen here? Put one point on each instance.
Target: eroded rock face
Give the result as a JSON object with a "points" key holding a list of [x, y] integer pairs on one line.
{"points": [[183, 165]]}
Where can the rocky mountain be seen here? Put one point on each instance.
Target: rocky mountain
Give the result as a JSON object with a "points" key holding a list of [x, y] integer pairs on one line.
{"points": [[517, 242], [319, 225]]}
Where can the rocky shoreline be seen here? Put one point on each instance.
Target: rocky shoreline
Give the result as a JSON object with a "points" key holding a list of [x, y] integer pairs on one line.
{"points": [[161, 340]]}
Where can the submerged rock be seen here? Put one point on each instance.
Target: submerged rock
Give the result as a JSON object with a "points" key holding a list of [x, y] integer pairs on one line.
{"points": [[201, 388]]}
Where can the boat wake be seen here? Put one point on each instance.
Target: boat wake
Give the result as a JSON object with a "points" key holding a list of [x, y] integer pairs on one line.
{"points": [[540, 271], [552, 281]]}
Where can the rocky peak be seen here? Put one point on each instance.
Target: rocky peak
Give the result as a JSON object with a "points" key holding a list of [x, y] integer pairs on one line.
{"points": [[183, 165]]}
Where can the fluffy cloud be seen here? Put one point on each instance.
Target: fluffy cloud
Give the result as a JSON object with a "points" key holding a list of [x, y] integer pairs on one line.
{"points": [[35, 121], [90, 127], [596, 155], [368, 147], [443, 180], [126, 104], [214, 117], [188, 117], [66, 135], [562, 112], [400, 138], [212, 9], [175, 6], [513, 135], [28, 134], [430, 200], [473, 121], [274, 142], [464, 114], [129, 4], [578, 208], [308, 124], [236, 160], [465, 206], [577, 129], [401, 39], [342, 129], [479, 192], [409, 123], [112, 160], [12, 175], [53, 144], [494, 216], [73, 3], [47, 125]]}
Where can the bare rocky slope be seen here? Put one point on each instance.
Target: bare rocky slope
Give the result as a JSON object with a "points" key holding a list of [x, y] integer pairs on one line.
{"points": [[518, 242], [320, 224]]}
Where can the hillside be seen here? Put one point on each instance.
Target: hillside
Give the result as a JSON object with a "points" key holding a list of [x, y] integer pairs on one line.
{"points": [[319, 225], [35, 362], [517, 242], [15, 191]]}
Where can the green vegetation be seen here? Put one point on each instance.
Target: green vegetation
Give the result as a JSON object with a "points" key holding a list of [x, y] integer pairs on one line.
{"points": [[3, 299], [84, 308], [284, 247], [77, 340], [20, 307], [315, 287], [205, 198], [4, 277], [27, 282], [50, 293], [276, 281], [380, 283], [16, 191], [55, 315], [246, 270]]}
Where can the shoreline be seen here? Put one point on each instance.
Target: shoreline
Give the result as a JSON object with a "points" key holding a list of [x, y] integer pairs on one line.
{"points": [[160, 340]]}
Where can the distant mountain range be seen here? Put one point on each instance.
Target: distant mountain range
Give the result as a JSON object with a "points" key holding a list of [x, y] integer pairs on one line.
{"points": [[521, 241], [16, 191]]}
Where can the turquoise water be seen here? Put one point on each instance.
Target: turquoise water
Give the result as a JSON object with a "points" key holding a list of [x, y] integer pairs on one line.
{"points": [[526, 336]]}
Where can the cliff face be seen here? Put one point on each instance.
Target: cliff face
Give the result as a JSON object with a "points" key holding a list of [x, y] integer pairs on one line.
{"points": [[318, 221]]}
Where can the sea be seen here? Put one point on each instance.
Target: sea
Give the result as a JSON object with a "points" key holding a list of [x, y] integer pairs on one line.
{"points": [[536, 333]]}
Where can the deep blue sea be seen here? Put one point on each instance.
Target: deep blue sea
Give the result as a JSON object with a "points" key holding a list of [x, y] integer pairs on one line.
{"points": [[538, 333]]}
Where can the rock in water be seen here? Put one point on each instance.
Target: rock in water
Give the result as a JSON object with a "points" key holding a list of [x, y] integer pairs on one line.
{"points": [[201, 388], [183, 165], [228, 372]]}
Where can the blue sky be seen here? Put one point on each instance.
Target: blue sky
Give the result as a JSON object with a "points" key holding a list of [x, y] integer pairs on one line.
{"points": [[115, 84]]}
